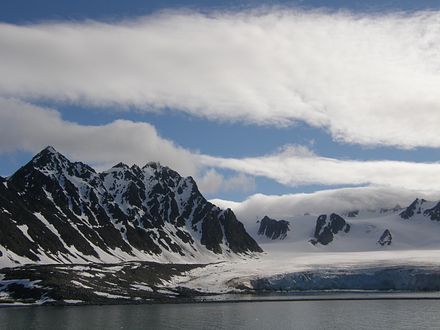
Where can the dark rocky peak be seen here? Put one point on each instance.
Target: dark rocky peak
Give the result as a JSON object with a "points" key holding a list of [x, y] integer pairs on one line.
{"points": [[81, 170], [188, 184], [121, 166], [48, 150], [327, 227], [273, 229], [386, 238], [136, 169], [160, 173], [160, 170], [49, 158], [52, 164], [120, 171], [414, 208], [155, 167], [433, 213], [238, 240]]}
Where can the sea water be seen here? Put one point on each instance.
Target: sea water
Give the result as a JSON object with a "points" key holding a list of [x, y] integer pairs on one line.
{"points": [[274, 315]]}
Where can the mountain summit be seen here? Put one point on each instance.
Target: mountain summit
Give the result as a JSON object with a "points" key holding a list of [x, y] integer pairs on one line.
{"points": [[54, 210]]}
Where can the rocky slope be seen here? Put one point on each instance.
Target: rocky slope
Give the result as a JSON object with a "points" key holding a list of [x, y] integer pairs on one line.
{"points": [[327, 227], [122, 283], [386, 238], [421, 207], [273, 229], [53, 210]]}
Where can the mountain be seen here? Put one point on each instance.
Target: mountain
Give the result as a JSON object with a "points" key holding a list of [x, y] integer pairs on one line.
{"points": [[422, 208], [327, 227], [386, 238], [119, 222], [53, 210], [414, 227], [273, 229]]}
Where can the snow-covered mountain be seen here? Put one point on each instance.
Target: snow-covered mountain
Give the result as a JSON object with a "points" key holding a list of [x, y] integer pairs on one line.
{"points": [[273, 229], [421, 208], [56, 211], [53, 210], [395, 249], [414, 227]]}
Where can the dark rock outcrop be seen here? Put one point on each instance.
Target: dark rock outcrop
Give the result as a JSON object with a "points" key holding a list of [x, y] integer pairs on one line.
{"points": [[273, 229], [433, 213], [235, 234], [128, 282], [327, 227], [413, 209], [422, 207], [386, 238], [63, 211]]}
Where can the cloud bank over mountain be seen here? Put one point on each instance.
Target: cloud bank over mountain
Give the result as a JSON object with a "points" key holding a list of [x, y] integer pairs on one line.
{"points": [[334, 200]]}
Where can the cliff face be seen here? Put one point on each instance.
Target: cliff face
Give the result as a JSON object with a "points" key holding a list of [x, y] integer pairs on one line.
{"points": [[273, 229], [327, 227]]}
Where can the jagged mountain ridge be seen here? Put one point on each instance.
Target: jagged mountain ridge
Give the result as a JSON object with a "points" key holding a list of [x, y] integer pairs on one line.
{"points": [[422, 207], [55, 210]]}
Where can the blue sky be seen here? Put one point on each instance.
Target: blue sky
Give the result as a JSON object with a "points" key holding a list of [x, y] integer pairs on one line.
{"points": [[243, 141], [22, 11]]}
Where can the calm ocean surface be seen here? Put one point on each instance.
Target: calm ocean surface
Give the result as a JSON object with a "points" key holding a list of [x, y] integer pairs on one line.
{"points": [[276, 315]]}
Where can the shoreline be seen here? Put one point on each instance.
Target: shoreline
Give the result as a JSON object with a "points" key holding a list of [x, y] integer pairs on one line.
{"points": [[180, 301], [153, 283]]}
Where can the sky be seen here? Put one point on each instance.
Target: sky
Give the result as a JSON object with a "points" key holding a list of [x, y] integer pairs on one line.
{"points": [[263, 102]]}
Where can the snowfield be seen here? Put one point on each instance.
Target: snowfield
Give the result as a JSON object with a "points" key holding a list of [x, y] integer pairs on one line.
{"points": [[415, 245]]}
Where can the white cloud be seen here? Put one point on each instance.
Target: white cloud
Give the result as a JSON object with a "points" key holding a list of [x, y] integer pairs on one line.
{"points": [[24, 126], [30, 128], [240, 182], [213, 182], [368, 78], [210, 182], [27, 127], [296, 165], [337, 200]]}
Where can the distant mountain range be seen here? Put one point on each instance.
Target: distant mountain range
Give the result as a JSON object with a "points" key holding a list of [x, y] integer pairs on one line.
{"points": [[413, 227], [53, 210]]}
